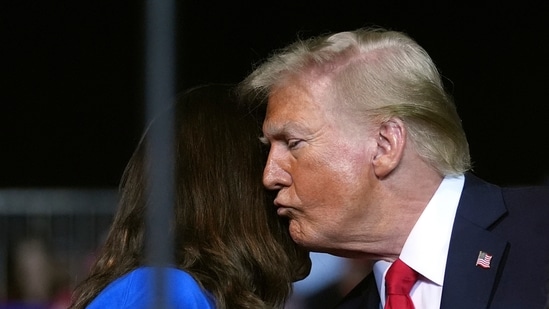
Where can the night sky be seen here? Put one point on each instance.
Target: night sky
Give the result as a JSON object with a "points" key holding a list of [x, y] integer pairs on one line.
{"points": [[72, 91]]}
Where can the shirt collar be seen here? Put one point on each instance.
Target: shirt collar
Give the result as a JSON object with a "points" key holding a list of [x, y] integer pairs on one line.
{"points": [[426, 248]]}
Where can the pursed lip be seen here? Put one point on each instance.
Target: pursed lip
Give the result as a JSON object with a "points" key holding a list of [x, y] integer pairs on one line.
{"points": [[281, 209]]}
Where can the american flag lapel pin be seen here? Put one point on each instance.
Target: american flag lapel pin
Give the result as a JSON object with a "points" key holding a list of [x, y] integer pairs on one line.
{"points": [[483, 259]]}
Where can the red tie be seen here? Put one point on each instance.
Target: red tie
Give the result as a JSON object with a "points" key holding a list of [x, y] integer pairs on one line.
{"points": [[398, 282]]}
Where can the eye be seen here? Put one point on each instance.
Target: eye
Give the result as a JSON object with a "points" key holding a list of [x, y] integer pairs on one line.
{"points": [[293, 143]]}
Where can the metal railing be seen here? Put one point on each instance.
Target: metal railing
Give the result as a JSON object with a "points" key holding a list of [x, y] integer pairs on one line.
{"points": [[48, 238]]}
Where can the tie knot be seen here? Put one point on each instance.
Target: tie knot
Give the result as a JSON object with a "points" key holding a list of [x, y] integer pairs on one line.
{"points": [[400, 278]]}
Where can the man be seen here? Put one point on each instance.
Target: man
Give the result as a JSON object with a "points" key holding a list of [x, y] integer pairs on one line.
{"points": [[369, 160]]}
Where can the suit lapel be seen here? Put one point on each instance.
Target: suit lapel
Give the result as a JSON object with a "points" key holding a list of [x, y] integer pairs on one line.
{"points": [[364, 296], [467, 285]]}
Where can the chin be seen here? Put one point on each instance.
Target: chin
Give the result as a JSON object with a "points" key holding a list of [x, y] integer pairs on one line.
{"points": [[296, 234], [300, 238]]}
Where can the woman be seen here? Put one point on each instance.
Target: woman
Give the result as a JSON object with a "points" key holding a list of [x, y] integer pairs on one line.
{"points": [[231, 249]]}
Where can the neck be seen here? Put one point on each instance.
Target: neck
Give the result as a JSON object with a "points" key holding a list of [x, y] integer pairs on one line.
{"points": [[401, 198]]}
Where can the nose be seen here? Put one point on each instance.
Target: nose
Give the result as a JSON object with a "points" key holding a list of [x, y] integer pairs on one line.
{"points": [[275, 177]]}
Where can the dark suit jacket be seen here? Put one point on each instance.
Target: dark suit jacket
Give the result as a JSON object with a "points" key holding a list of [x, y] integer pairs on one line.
{"points": [[512, 225]]}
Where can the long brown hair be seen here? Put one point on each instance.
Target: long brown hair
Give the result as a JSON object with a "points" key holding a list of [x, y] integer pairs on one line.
{"points": [[226, 231]]}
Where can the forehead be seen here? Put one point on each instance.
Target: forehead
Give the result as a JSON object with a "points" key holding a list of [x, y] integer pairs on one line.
{"points": [[296, 105]]}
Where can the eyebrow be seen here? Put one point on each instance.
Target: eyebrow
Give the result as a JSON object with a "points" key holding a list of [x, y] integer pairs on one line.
{"points": [[282, 132], [288, 127], [264, 140]]}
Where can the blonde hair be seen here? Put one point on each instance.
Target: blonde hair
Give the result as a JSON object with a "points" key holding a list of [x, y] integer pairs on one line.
{"points": [[379, 74]]}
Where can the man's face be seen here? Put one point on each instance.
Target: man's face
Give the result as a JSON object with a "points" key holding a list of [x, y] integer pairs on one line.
{"points": [[319, 161]]}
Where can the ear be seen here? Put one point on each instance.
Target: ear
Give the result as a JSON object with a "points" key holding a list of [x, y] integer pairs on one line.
{"points": [[390, 146]]}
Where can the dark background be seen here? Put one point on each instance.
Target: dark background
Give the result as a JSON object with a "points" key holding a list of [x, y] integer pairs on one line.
{"points": [[72, 96]]}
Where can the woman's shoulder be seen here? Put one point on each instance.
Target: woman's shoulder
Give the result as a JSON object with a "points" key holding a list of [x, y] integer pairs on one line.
{"points": [[136, 289]]}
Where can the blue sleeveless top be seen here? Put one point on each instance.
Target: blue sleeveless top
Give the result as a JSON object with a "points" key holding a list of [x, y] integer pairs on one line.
{"points": [[134, 290]]}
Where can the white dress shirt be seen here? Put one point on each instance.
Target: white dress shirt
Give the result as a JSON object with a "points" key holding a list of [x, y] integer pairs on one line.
{"points": [[426, 248]]}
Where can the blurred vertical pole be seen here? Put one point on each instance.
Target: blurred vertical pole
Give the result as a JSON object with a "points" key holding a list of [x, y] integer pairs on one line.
{"points": [[159, 91]]}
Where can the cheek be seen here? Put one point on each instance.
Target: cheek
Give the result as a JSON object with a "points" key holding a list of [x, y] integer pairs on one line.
{"points": [[336, 175], [346, 163]]}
